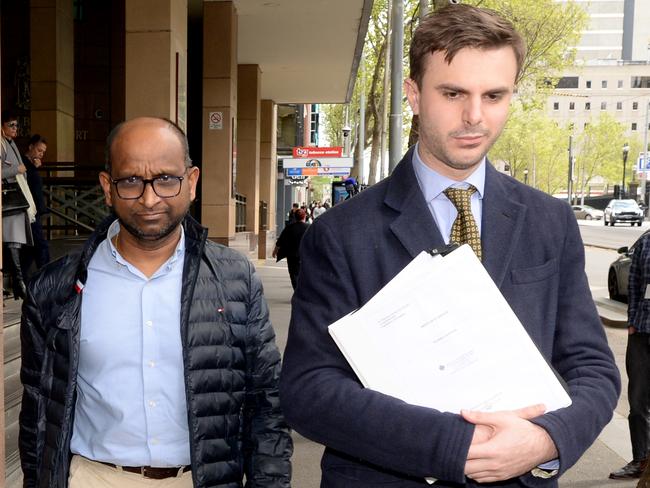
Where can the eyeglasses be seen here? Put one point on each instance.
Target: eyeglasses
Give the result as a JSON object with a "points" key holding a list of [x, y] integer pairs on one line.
{"points": [[13, 125], [132, 187]]}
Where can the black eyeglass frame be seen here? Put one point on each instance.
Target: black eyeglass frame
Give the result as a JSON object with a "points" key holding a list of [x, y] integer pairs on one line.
{"points": [[148, 181]]}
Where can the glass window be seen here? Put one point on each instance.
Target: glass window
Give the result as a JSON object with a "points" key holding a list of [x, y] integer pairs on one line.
{"points": [[603, 84], [619, 105], [620, 83], [588, 84], [633, 125], [587, 105], [556, 105], [640, 82], [568, 82], [572, 105], [635, 105], [603, 105]]}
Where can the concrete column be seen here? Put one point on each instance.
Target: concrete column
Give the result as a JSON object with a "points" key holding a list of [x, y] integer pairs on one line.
{"points": [[249, 78], [52, 76], [156, 54], [268, 173], [219, 119]]}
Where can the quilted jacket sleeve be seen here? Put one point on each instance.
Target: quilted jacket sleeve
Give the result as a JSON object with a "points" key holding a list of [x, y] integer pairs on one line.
{"points": [[267, 440], [32, 338]]}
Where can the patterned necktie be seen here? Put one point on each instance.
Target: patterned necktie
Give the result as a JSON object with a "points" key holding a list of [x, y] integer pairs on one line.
{"points": [[464, 230]]}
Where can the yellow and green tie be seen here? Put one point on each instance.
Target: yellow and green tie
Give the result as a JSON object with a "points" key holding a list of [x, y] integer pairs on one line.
{"points": [[464, 230]]}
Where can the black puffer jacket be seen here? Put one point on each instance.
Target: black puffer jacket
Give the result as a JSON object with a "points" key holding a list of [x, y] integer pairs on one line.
{"points": [[231, 369]]}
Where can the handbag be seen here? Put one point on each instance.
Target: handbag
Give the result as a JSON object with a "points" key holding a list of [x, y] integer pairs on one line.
{"points": [[13, 199]]}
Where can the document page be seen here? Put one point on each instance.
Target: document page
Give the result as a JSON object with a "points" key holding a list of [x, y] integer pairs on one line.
{"points": [[441, 335]]}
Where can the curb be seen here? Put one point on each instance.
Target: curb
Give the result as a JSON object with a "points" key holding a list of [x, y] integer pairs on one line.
{"points": [[611, 312]]}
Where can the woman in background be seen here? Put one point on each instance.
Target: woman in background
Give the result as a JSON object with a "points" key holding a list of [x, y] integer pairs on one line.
{"points": [[16, 229]]}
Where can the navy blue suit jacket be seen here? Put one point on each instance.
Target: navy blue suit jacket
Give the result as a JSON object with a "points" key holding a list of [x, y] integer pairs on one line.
{"points": [[532, 250]]}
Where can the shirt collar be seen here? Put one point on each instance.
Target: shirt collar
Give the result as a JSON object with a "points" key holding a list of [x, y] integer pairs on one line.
{"points": [[115, 228], [433, 183]]}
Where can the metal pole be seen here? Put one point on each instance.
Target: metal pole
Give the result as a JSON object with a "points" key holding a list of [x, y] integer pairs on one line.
{"points": [[397, 47], [582, 183], [624, 168], [347, 131], [569, 185], [645, 152], [361, 144], [384, 108]]}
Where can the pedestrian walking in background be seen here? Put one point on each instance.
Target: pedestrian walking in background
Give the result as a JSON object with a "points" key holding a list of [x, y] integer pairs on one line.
{"points": [[292, 214], [465, 62], [318, 210], [637, 360], [40, 251], [288, 245], [16, 225], [148, 359]]}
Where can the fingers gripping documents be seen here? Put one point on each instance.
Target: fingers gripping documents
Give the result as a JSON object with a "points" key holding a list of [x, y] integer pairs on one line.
{"points": [[444, 324]]}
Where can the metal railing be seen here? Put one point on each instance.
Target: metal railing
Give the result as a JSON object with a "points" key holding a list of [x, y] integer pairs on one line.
{"points": [[240, 213], [74, 198]]}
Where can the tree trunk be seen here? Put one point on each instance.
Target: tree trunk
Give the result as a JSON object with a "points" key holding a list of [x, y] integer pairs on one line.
{"points": [[373, 112], [374, 152]]}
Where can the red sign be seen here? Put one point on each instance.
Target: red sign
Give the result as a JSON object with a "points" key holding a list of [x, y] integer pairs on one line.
{"points": [[316, 152]]}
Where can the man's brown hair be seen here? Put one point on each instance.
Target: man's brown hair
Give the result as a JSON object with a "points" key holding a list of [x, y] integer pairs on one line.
{"points": [[456, 27]]}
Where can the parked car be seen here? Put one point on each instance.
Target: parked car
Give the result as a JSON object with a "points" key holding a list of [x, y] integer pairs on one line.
{"points": [[619, 272], [586, 212], [623, 211]]}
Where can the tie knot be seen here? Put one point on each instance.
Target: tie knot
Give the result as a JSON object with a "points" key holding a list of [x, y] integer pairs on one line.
{"points": [[460, 197]]}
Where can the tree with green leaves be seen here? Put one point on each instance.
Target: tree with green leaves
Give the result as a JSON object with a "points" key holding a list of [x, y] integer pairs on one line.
{"points": [[600, 150], [548, 54]]}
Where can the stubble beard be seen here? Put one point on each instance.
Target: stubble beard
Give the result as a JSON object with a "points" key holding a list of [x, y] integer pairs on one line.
{"points": [[141, 235], [437, 149]]}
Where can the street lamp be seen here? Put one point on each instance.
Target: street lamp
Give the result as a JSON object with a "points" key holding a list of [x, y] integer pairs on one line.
{"points": [[626, 150], [526, 176]]}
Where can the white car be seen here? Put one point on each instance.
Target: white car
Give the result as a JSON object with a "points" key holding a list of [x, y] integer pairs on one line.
{"points": [[586, 212], [623, 211]]}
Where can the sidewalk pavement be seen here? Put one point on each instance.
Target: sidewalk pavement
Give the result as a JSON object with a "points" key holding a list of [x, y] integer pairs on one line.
{"points": [[610, 451]]}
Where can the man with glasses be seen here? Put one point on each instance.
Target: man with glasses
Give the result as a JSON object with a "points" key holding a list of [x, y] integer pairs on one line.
{"points": [[149, 358]]}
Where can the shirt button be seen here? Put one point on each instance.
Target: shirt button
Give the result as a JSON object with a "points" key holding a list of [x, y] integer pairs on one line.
{"points": [[152, 364], [152, 403], [149, 323]]}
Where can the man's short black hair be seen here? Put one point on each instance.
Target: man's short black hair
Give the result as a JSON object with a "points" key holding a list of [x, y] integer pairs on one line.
{"points": [[36, 138]]}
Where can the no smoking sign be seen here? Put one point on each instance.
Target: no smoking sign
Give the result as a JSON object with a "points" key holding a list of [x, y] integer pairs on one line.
{"points": [[215, 121]]}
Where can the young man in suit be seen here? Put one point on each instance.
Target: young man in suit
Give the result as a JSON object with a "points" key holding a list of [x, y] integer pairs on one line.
{"points": [[465, 62]]}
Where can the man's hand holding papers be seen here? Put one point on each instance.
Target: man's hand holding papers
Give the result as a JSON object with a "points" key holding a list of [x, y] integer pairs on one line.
{"points": [[506, 444]]}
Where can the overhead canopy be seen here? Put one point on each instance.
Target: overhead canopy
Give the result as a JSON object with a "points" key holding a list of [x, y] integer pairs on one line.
{"points": [[308, 50]]}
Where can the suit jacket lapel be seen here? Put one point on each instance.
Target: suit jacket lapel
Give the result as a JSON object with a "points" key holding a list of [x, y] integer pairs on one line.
{"points": [[502, 221], [414, 227]]}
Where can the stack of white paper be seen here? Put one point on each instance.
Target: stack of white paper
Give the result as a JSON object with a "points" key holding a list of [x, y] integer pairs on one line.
{"points": [[441, 335]]}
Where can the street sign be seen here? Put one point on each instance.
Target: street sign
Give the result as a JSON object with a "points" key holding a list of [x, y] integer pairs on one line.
{"points": [[326, 171], [317, 162], [317, 152]]}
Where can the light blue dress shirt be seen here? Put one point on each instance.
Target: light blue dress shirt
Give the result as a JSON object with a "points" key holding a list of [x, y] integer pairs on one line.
{"points": [[131, 408], [433, 184]]}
